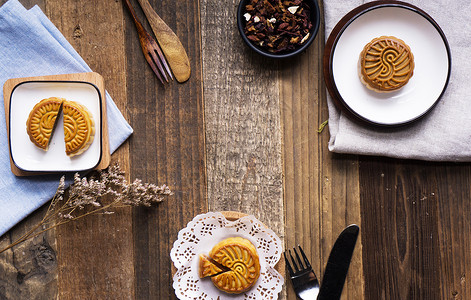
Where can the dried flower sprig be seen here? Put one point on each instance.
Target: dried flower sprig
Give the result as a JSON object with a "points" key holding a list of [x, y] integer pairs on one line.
{"points": [[92, 196]]}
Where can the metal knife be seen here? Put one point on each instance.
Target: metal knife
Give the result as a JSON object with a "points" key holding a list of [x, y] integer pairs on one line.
{"points": [[338, 263]]}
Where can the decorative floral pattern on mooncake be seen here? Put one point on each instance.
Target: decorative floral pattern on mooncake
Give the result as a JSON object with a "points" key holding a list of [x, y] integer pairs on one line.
{"points": [[386, 64], [79, 128], [42, 121], [237, 262]]}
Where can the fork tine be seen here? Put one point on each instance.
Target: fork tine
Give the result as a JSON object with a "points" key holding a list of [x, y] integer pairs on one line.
{"points": [[159, 59], [306, 261], [158, 63], [288, 265], [151, 49], [162, 58], [301, 267], [296, 268], [304, 280], [153, 66]]}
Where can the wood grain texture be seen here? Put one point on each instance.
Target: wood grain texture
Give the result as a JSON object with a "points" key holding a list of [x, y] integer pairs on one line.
{"points": [[88, 266], [29, 270], [321, 190], [243, 130], [243, 126], [416, 217], [242, 113], [167, 147]]}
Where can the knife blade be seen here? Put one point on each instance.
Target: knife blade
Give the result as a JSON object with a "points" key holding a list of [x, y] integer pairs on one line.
{"points": [[338, 263]]}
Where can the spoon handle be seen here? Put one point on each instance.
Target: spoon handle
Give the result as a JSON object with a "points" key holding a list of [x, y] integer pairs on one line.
{"points": [[169, 42]]}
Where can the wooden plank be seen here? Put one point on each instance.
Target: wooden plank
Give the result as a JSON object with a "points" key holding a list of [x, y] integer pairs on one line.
{"points": [[321, 190], [243, 126], [99, 39], [418, 229], [242, 115], [167, 147], [341, 201], [300, 117], [29, 270], [451, 187]]}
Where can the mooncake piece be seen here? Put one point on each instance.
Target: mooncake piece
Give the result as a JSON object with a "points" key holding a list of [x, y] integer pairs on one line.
{"points": [[241, 259], [386, 64], [208, 268], [42, 120], [79, 128]]}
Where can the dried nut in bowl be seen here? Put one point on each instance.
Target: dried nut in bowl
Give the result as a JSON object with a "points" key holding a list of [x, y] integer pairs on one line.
{"points": [[276, 26]]}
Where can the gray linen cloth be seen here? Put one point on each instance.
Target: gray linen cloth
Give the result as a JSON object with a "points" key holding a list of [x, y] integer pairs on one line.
{"points": [[442, 135]]}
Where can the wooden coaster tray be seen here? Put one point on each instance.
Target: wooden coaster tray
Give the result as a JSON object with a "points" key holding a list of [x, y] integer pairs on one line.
{"points": [[92, 78]]}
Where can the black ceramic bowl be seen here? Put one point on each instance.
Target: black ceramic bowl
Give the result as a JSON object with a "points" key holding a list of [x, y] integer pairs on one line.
{"points": [[315, 20]]}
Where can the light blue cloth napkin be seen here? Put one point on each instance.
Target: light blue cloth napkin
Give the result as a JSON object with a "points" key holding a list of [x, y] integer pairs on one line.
{"points": [[30, 45]]}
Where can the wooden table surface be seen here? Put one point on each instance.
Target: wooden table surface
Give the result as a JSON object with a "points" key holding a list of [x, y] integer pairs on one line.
{"points": [[240, 135]]}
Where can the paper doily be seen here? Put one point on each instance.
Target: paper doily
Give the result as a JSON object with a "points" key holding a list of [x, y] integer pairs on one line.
{"points": [[205, 231]]}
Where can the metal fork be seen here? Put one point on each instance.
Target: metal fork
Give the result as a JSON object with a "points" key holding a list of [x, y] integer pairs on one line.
{"points": [[305, 283], [151, 49]]}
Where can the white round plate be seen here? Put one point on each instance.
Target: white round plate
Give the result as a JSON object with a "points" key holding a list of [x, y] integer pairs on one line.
{"points": [[432, 64]]}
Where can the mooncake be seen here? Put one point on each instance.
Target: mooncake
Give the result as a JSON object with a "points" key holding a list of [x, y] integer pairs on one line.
{"points": [[239, 265], [79, 128], [42, 121], [386, 64], [207, 267]]}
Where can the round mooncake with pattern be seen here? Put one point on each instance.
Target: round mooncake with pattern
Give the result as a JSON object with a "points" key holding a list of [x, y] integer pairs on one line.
{"points": [[236, 265], [386, 64]]}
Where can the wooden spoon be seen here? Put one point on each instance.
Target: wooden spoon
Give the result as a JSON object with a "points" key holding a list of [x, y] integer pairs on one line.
{"points": [[169, 42]]}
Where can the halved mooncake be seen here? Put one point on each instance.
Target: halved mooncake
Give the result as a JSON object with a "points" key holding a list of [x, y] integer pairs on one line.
{"points": [[240, 265], [42, 121], [79, 128], [386, 64]]}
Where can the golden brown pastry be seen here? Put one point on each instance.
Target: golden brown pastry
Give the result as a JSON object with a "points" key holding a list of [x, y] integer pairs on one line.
{"points": [[240, 258], [42, 121], [79, 128], [386, 64], [207, 267]]}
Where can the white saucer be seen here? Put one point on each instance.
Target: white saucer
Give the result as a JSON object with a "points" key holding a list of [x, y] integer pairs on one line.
{"points": [[431, 55]]}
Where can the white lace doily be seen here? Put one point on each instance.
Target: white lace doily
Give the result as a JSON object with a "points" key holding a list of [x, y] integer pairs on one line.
{"points": [[205, 231]]}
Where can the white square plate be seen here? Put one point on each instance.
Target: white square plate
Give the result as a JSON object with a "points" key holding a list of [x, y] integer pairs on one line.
{"points": [[25, 155]]}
